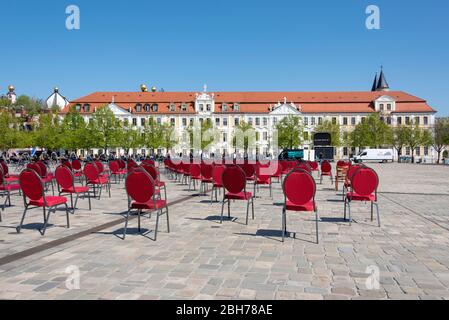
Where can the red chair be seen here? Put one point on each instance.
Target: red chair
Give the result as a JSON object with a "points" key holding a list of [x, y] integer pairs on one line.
{"points": [[5, 190], [299, 191], [206, 174], [76, 165], [249, 170], [45, 179], [349, 174], [364, 184], [66, 185], [217, 181], [93, 178], [262, 178], [33, 190], [153, 172], [150, 162], [278, 173], [326, 170], [185, 172], [315, 166], [234, 184], [116, 171], [8, 177], [140, 188], [195, 175], [131, 164], [44, 171]]}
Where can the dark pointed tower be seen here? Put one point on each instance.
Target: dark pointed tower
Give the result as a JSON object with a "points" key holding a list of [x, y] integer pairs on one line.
{"points": [[374, 88], [382, 84]]}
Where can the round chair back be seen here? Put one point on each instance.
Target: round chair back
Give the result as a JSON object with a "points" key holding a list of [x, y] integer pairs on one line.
{"points": [[31, 184], [34, 166], [364, 181], [234, 179], [299, 187], [91, 172], [64, 177], [76, 165], [5, 168], [99, 165], [67, 164], [217, 174], [326, 166], [114, 166], [248, 169], [140, 186], [207, 171], [314, 165], [195, 170], [151, 170], [43, 169], [305, 166]]}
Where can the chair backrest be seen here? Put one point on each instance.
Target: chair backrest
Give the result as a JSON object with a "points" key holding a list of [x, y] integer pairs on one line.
{"points": [[64, 177], [150, 162], [364, 181], [248, 169], [140, 186], [132, 164], [261, 173], [305, 166], [352, 170], [99, 165], [151, 170], [234, 179], [207, 170], [2, 177], [43, 169], [186, 167], [326, 166], [34, 166], [195, 170], [114, 166], [31, 184], [76, 165], [122, 164], [91, 172], [299, 187], [217, 174], [67, 164], [314, 165]]}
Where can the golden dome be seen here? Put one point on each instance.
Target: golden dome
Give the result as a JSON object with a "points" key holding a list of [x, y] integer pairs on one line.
{"points": [[153, 89], [144, 88], [11, 88]]}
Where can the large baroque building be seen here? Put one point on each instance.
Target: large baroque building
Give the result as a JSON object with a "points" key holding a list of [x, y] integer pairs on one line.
{"points": [[263, 110]]}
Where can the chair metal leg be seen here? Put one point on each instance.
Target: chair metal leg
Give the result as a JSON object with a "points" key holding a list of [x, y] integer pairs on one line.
{"points": [[168, 220], [44, 228], [138, 219], [284, 224], [345, 210], [252, 206], [157, 224], [247, 211], [90, 204], [222, 209], [349, 212], [212, 195], [372, 212], [317, 218], [126, 224], [67, 215], [19, 228]]}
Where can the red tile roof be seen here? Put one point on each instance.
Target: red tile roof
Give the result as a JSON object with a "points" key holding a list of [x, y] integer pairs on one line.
{"points": [[258, 102]]}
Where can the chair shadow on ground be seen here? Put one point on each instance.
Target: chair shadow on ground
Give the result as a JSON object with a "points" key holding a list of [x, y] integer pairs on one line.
{"points": [[276, 235], [34, 226], [130, 231], [216, 219]]}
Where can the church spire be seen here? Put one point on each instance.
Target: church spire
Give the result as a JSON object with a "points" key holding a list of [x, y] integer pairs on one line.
{"points": [[374, 88], [383, 84]]}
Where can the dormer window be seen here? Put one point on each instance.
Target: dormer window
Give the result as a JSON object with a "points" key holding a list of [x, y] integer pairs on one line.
{"points": [[236, 107], [138, 107], [224, 107], [172, 107], [147, 108], [155, 107], [86, 108], [183, 107]]}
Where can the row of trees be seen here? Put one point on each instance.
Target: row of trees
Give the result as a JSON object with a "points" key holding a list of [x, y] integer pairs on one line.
{"points": [[373, 133]]}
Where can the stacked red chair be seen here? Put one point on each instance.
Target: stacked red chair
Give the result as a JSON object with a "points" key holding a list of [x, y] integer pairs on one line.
{"points": [[94, 179], [47, 180], [217, 181], [206, 176], [153, 172], [195, 175], [140, 188], [34, 196], [234, 183], [299, 195], [6, 189], [364, 184], [66, 185]]}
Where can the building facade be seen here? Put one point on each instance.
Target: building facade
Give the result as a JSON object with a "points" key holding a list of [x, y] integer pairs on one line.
{"points": [[262, 110]]}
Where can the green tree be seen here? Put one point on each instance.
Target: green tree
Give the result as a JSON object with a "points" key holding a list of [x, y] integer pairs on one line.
{"points": [[154, 135], [399, 139], [289, 132], [74, 131], [129, 137], [415, 137], [332, 128], [204, 134], [372, 132], [106, 128], [247, 130], [32, 106], [47, 133], [440, 136], [168, 138]]}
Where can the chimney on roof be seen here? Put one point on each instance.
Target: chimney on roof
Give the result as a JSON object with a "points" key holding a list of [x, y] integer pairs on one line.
{"points": [[383, 84]]}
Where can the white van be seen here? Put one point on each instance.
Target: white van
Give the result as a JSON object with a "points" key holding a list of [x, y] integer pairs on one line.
{"points": [[378, 155]]}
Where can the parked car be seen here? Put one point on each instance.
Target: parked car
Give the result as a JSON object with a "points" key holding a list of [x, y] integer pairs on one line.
{"points": [[377, 155]]}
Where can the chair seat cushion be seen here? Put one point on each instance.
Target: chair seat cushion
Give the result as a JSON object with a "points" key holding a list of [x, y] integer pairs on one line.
{"points": [[309, 206], [263, 181], [47, 179], [239, 196], [11, 179], [100, 180], [76, 190], [51, 201], [352, 196], [207, 180], [218, 185], [326, 173], [77, 174], [160, 184], [10, 187], [149, 205]]}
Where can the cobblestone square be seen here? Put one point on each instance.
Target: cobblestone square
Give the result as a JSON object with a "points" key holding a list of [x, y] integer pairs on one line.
{"points": [[203, 259]]}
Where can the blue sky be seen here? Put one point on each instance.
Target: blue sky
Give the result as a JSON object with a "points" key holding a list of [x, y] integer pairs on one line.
{"points": [[230, 45]]}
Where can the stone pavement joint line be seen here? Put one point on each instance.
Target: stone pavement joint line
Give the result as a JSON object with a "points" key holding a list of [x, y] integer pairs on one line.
{"points": [[52, 244]]}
